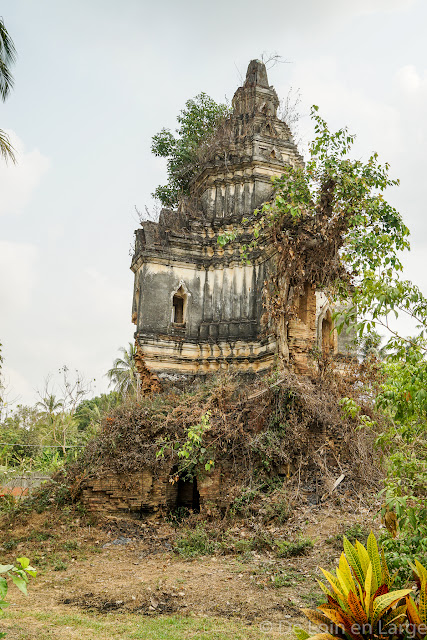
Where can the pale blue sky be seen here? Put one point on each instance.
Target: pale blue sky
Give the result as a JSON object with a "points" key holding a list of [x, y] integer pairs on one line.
{"points": [[95, 79]]}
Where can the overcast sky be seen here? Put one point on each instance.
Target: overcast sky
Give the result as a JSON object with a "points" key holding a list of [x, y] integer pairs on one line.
{"points": [[95, 79]]}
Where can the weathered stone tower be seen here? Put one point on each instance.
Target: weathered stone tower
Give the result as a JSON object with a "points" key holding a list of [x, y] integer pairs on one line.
{"points": [[196, 306]]}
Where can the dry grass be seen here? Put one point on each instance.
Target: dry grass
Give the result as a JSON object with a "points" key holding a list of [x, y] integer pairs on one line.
{"points": [[142, 590]]}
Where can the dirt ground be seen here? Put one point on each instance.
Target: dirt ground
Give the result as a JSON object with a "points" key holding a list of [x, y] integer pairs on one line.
{"points": [[130, 567]]}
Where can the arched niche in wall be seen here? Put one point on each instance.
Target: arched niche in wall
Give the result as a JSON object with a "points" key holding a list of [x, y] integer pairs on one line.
{"points": [[326, 332], [179, 306]]}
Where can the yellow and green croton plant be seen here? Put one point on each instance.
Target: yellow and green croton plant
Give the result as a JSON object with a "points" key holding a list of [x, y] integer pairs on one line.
{"points": [[361, 603]]}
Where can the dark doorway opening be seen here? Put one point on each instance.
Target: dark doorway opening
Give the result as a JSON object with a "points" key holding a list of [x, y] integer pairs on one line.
{"points": [[182, 495], [178, 309], [188, 495]]}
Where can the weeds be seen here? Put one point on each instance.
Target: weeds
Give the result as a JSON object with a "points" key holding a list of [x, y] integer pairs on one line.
{"points": [[354, 532], [176, 516], [70, 545], [313, 598], [262, 541], [59, 565], [8, 545], [281, 580], [194, 543], [267, 574], [287, 549], [40, 536], [203, 541]]}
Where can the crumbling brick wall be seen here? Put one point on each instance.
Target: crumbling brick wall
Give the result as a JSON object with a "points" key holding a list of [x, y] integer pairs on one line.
{"points": [[141, 492], [302, 332]]}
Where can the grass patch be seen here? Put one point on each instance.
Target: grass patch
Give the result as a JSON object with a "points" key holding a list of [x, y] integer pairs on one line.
{"points": [[70, 545], [282, 580], [32, 625], [269, 575], [313, 598]]}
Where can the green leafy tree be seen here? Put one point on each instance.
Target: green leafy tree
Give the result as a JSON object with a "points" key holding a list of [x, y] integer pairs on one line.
{"points": [[46, 435], [7, 58], [50, 405], [403, 398], [22, 434], [123, 374], [197, 123], [53, 411], [89, 412], [370, 345], [331, 226]]}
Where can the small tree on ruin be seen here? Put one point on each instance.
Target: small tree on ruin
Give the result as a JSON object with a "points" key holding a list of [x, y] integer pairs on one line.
{"points": [[330, 226]]}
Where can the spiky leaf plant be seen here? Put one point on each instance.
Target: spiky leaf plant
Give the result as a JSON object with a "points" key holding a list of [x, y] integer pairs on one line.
{"points": [[360, 603], [417, 611]]}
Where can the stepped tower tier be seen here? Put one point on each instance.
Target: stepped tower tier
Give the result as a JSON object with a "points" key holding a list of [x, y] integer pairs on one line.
{"points": [[197, 307], [237, 179]]}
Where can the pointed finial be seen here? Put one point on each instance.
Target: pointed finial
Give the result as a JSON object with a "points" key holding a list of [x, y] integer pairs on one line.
{"points": [[256, 75]]}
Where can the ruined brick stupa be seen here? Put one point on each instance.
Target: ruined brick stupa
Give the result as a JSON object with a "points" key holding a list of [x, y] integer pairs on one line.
{"points": [[197, 307]]}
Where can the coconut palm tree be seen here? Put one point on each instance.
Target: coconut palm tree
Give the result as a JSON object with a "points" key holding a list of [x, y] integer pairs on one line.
{"points": [[52, 409], [7, 58], [123, 374], [49, 404]]}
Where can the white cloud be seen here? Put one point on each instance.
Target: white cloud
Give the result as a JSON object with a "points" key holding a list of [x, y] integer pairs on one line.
{"points": [[18, 182], [411, 87], [18, 262], [408, 79]]}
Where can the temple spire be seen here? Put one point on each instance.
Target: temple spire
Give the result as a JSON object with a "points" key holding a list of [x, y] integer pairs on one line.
{"points": [[256, 94], [256, 75]]}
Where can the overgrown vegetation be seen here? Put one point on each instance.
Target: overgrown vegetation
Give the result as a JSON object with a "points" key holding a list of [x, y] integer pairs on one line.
{"points": [[276, 435]]}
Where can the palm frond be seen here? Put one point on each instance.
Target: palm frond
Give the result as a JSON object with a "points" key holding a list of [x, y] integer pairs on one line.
{"points": [[7, 152], [123, 374], [7, 58]]}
